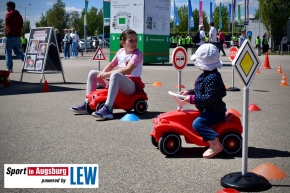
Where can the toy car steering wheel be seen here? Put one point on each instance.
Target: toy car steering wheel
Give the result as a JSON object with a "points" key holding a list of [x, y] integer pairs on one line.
{"points": [[178, 98], [176, 94]]}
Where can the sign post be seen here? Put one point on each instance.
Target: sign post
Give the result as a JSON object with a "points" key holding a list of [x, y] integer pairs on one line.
{"points": [[284, 41], [179, 61], [42, 53], [233, 51], [246, 63], [99, 56]]}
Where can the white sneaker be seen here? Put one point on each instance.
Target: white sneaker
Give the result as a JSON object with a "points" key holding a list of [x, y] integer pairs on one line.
{"points": [[74, 57]]}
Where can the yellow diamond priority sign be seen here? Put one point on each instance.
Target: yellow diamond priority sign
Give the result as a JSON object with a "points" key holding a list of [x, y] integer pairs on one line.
{"points": [[246, 63]]}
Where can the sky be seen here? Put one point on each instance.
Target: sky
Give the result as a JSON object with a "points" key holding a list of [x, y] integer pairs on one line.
{"points": [[33, 11]]}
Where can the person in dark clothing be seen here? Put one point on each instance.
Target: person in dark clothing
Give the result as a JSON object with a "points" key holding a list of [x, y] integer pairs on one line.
{"points": [[12, 31], [58, 39], [207, 96]]}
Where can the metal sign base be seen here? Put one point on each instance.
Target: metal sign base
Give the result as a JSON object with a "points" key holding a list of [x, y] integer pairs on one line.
{"points": [[250, 182], [233, 89]]}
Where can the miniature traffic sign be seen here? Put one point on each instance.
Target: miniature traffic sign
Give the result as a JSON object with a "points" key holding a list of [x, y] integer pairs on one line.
{"points": [[99, 55], [246, 63], [179, 58], [233, 52]]}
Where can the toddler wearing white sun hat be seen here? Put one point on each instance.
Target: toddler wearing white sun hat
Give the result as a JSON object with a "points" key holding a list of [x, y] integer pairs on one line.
{"points": [[207, 96]]}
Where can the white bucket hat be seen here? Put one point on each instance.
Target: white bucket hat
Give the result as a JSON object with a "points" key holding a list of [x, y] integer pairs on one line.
{"points": [[207, 57]]}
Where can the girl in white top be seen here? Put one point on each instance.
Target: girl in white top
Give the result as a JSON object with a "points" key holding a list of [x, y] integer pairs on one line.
{"points": [[126, 79]]}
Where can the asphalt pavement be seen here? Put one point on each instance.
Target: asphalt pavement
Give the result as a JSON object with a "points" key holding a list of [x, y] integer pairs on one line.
{"points": [[39, 128]]}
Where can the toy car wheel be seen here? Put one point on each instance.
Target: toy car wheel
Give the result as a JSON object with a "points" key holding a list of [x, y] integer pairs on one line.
{"points": [[169, 144], [99, 106], [232, 143], [90, 111], [153, 140], [140, 107]]}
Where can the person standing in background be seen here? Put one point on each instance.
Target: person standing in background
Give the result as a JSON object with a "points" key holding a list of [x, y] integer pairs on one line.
{"points": [[212, 34], [74, 45], [23, 43], [221, 38], [58, 39], [12, 31]]}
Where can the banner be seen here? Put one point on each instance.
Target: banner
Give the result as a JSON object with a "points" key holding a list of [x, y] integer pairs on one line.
{"points": [[248, 13], [190, 16], [221, 21], [107, 6], [210, 12], [51, 176], [234, 10], [42, 53], [176, 18], [230, 13], [200, 13], [239, 14]]}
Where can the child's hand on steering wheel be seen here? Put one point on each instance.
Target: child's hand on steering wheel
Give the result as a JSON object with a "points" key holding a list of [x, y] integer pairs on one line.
{"points": [[187, 98]]}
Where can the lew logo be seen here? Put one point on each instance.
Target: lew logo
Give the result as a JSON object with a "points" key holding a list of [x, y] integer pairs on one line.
{"points": [[83, 175]]}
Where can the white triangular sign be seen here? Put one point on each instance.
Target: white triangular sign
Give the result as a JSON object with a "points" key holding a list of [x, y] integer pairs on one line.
{"points": [[99, 55]]}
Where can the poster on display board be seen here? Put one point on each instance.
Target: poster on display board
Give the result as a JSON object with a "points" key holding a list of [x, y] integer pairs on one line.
{"points": [[42, 53], [151, 21]]}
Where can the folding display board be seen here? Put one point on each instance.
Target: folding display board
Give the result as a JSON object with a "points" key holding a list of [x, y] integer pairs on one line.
{"points": [[42, 54]]}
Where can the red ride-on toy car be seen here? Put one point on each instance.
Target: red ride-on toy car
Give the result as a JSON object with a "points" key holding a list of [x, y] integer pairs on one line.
{"points": [[135, 101], [168, 127]]}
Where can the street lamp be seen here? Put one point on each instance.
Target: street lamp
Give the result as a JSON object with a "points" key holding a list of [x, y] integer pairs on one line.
{"points": [[25, 11]]}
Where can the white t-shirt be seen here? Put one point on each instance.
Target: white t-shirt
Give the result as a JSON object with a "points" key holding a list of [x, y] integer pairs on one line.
{"points": [[122, 60], [212, 32], [201, 35], [75, 37]]}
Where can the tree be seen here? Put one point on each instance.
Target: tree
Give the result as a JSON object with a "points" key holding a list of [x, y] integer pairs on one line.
{"points": [[42, 22], [94, 22], [225, 17], [74, 19], [274, 15], [57, 16], [2, 25], [26, 27]]}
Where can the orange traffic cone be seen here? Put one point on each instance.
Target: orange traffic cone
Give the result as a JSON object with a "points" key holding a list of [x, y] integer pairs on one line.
{"points": [[45, 87], [284, 80], [253, 107], [157, 84], [258, 71], [181, 86], [280, 69], [269, 171], [267, 63]]}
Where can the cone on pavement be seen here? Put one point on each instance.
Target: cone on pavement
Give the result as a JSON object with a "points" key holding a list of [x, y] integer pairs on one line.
{"points": [[284, 80], [45, 87], [266, 62], [235, 112], [258, 71], [280, 69], [157, 84], [253, 107], [269, 171], [228, 190], [181, 86]]}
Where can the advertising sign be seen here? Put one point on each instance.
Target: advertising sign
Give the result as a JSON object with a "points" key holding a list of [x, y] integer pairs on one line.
{"points": [[42, 53], [151, 21]]}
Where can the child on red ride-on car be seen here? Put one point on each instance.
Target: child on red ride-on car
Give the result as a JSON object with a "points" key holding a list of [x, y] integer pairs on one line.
{"points": [[126, 79], [207, 96]]}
